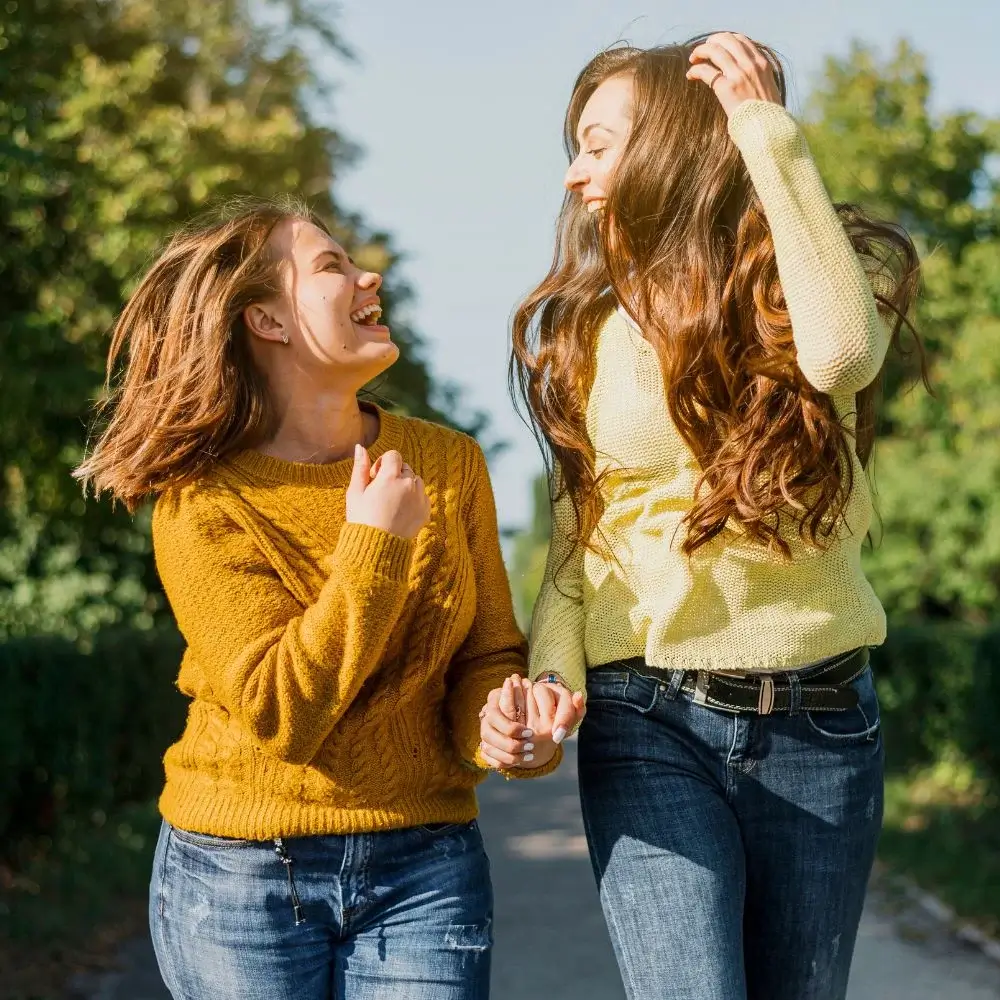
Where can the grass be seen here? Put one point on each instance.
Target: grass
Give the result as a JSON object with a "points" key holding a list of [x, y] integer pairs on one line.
{"points": [[942, 829], [66, 900]]}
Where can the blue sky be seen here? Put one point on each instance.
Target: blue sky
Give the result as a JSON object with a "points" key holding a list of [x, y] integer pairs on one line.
{"points": [[458, 107]]}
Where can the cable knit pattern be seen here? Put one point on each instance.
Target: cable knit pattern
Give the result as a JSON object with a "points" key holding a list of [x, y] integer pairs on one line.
{"points": [[731, 606], [336, 671]]}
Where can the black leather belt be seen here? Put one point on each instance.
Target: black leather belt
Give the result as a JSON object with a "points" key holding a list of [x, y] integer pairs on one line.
{"points": [[823, 688]]}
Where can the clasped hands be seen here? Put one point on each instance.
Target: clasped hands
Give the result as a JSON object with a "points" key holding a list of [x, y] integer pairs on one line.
{"points": [[523, 722]]}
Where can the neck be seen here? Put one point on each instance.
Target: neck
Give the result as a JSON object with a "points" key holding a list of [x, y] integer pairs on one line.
{"points": [[321, 426]]}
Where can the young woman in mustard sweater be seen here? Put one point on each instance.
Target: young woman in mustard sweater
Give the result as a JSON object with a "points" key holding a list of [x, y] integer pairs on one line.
{"points": [[336, 573], [702, 361]]}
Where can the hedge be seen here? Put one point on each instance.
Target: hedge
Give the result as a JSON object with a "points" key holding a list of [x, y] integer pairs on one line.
{"points": [[939, 690], [83, 729]]}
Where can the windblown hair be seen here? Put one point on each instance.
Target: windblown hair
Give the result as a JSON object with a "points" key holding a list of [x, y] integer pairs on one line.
{"points": [[182, 388], [684, 245]]}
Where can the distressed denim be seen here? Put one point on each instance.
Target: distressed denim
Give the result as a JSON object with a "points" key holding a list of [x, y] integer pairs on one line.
{"points": [[732, 852], [397, 915]]}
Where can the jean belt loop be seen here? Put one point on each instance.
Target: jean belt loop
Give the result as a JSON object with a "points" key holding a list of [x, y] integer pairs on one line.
{"points": [[795, 693], [676, 680]]}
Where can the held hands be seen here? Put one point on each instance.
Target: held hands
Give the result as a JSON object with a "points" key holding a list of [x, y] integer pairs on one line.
{"points": [[387, 496], [522, 723], [736, 70]]}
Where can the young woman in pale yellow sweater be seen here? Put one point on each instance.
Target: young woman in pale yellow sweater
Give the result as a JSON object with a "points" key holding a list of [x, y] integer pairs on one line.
{"points": [[702, 362], [336, 573]]}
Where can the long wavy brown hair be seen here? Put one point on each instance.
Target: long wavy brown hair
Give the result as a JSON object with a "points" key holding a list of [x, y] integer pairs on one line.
{"points": [[684, 245], [182, 388]]}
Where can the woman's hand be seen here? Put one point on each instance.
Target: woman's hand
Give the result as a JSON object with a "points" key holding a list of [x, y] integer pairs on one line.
{"points": [[388, 496], [522, 723], [736, 70]]}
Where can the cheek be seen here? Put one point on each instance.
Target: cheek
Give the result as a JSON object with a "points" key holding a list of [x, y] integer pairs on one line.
{"points": [[602, 175]]}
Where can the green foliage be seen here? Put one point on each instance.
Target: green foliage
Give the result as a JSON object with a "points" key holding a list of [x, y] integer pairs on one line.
{"points": [[938, 473], [72, 894], [120, 119], [83, 729], [877, 143], [528, 553], [937, 467], [937, 685]]}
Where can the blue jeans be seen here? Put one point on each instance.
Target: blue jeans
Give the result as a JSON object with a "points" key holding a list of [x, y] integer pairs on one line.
{"points": [[403, 914], [732, 852]]}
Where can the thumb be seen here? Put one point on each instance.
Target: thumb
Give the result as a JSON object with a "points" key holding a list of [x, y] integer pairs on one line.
{"points": [[565, 717], [360, 473]]}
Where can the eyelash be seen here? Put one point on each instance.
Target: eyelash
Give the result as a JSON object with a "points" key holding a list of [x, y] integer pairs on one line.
{"points": [[596, 153]]}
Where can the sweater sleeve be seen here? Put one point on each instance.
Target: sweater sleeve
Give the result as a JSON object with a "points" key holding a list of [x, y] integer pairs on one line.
{"points": [[840, 338], [288, 673], [494, 648], [557, 624]]}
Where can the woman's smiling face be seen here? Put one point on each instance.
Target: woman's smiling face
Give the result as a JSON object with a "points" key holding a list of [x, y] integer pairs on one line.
{"points": [[329, 309], [601, 134]]}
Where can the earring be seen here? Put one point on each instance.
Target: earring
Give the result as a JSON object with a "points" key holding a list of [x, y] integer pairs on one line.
{"points": [[284, 338]]}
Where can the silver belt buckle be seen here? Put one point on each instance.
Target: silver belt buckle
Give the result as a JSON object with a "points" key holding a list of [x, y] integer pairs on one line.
{"points": [[765, 699], [701, 688]]}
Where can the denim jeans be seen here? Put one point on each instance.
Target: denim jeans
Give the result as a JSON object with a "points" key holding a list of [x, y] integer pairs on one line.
{"points": [[398, 915], [732, 852]]}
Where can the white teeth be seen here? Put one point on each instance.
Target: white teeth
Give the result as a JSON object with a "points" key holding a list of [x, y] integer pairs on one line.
{"points": [[370, 310]]}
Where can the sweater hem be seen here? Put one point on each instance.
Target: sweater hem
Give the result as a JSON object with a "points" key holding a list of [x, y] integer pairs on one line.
{"points": [[232, 814], [778, 663]]}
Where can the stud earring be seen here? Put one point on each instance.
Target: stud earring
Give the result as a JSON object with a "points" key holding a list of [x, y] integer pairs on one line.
{"points": [[284, 338]]}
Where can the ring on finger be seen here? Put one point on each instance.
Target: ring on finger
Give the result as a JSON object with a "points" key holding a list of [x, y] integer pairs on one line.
{"points": [[715, 79]]}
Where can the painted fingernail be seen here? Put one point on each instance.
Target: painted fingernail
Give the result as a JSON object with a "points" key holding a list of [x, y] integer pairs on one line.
{"points": [[528, 758], [558, 735], [526, 734], [528, 746]]}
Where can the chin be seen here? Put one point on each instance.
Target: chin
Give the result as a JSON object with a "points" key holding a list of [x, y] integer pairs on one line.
{"points": [[377, 357]]}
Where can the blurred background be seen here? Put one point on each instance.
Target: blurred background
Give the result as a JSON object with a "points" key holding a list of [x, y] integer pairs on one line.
{"points": [[430, 136]]}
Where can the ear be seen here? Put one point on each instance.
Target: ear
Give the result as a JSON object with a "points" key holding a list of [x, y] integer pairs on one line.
{"points": [[262, 321]]}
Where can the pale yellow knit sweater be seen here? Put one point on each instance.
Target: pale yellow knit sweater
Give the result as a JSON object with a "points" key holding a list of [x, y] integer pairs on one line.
{"points": [[335, 671], [732, 606]]}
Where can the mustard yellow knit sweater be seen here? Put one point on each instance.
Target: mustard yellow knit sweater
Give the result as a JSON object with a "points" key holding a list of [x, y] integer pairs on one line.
{"points": [[335, 671], [732, 606]]}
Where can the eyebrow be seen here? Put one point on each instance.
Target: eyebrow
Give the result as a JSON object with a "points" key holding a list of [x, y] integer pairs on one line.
{"points": [[594, 125], [339, 254]]}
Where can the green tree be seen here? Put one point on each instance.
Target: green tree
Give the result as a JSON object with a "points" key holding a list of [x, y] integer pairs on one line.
{"points": [[528, 552], [937, 467], [119, 119]]}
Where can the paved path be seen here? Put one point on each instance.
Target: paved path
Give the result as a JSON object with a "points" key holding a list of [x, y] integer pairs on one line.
{"points": [[551, 940]]}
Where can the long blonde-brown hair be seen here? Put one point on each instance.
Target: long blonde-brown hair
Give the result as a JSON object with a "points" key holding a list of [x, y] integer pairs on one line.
{"points": [[182, 388], [684, 245]]}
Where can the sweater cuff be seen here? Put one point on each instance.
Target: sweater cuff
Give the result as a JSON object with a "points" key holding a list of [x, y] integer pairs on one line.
{"points": [[381, 553]]}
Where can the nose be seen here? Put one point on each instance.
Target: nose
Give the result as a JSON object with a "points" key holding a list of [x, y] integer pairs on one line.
{"points": [[369, 281], [575, 177]]}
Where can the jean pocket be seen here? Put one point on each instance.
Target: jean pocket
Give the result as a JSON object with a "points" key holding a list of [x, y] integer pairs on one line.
{"points": [[622, 688], [443, 829], [211, 842], [860, 724]]}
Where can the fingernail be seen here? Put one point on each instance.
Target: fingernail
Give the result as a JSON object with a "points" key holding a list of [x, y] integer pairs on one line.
{"points": [[527, 734], [528, 758], [529, 746], [558, 735]]}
